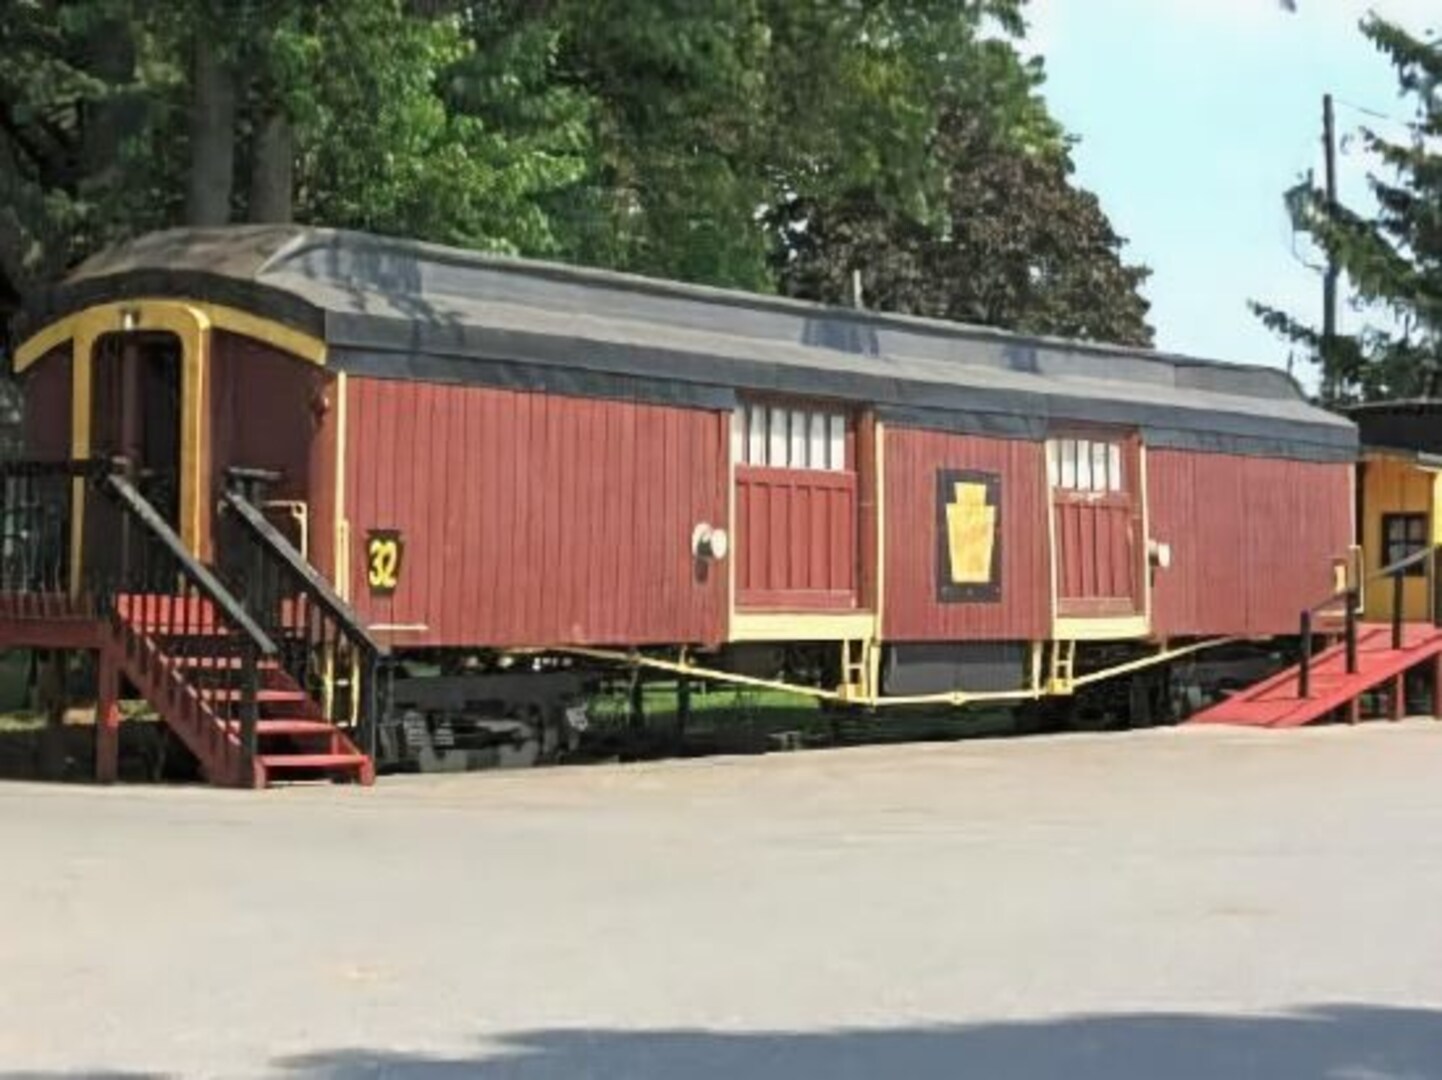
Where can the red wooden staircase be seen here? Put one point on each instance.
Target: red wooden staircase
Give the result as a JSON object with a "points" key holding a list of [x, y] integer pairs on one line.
{"points": [[193, 669], [255, 663]]}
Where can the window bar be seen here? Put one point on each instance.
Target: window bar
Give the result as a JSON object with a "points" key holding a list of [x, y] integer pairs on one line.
{"points": [[837, 455], [776, 449], [817, 449]]}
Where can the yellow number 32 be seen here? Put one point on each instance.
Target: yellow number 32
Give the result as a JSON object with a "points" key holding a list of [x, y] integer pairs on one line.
{"points": [[383, 561]]}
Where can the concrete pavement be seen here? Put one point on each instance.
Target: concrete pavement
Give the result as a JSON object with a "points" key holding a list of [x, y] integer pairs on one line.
{"points": [[1170, 904]]}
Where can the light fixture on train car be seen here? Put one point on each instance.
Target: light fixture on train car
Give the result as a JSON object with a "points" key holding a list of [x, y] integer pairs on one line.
{"points": [[1159, 554], [129, 318], [709, 542]]}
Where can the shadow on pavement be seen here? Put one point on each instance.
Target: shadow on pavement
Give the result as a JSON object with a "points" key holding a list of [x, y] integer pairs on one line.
{"points": [[1328, 1043], [1339, 1042]]}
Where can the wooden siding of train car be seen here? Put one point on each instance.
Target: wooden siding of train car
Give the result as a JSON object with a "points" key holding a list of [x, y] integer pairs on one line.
{"points": [[913, 609], [1253, 540], [533, 519], [47, 388], [1393, 485], [269, 410], [797, 536]]}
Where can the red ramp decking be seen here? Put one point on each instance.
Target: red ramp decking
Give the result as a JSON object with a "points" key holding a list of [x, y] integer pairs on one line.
{"points": [[1275, 702]]}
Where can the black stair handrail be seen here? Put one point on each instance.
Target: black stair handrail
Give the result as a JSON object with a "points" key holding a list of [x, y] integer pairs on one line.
{"points": [[1431, 556], [135, 505], [171, 597], [270, 574]]}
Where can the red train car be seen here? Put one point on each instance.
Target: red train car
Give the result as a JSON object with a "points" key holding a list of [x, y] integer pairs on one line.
{"points": [[503, 459]]}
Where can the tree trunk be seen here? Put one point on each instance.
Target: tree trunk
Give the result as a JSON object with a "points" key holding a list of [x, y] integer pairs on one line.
{"points": [[272, 174], [110, 117], [212, 137]]}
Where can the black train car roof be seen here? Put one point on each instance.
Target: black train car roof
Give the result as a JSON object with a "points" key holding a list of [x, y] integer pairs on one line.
{"points": [[401, 309], [1411, 426]]}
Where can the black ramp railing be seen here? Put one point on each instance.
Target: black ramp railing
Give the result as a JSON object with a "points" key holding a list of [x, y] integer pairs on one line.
{"points": [[1351, 598], [155, 589], [323, 644]]}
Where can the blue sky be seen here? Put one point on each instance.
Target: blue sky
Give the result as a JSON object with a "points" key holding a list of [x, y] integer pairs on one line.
{"points": [[1194, 116]]}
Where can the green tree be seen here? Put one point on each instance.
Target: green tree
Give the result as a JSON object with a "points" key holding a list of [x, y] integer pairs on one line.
{"points": [[1391, 259], [69, 101], [707, 116], [732, 142], [1015, 243], [120, 116]]}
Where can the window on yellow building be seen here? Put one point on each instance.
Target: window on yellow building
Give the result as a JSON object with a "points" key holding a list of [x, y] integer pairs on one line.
{"points": [[1404, 535]]}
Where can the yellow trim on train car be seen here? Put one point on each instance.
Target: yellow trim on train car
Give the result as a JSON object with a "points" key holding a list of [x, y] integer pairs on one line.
{"points": [[83, 330], [340, 558], [1145, 553], [1106, 628], [192, 324], [194, 373], [807, 626], [125, 315], [735, 438], [878, 479], [82, 353], [878, 439]]}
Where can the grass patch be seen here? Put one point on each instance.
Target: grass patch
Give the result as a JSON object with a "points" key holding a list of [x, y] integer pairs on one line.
{"points": [[730, 716], [709, 705], [14, 682]]}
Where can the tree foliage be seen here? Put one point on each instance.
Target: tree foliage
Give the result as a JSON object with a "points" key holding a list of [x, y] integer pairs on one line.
{"points": [[1391, 259], [1017, 245], [763, 144]]}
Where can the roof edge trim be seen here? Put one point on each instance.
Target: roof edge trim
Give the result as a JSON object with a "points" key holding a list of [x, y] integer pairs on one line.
{"points": [[119, 316]]}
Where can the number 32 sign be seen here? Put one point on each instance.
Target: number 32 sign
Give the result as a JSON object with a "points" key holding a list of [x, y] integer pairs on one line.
{"points": [[384, 548]]}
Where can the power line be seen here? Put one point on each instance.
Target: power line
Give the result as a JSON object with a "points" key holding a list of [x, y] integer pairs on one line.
{"points": [[1375, 114]]}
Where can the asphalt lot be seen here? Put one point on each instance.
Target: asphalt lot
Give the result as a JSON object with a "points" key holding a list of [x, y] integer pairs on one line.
{"points": [[1168, 905]]}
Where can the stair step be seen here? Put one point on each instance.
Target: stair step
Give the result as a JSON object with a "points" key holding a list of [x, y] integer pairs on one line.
{"points": [[218, 663], [262, 697], [313, 761], [294, 726]]}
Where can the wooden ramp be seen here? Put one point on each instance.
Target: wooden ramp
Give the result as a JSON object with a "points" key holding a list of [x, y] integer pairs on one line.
{"points": [[1275, 702]]}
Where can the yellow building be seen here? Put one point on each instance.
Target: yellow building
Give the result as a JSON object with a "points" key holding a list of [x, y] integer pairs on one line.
{"points": [[1399, 492]]}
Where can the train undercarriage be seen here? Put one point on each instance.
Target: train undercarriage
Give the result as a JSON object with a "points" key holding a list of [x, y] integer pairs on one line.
{"points": [[452, 712]]}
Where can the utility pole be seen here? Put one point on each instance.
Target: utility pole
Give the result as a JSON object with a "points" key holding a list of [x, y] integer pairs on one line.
{"points": [[1329, 281]]}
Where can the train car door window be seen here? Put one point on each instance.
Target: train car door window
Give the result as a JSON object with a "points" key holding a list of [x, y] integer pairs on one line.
{"points": [[782, 438], [1096, 512], [796, 508]]}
